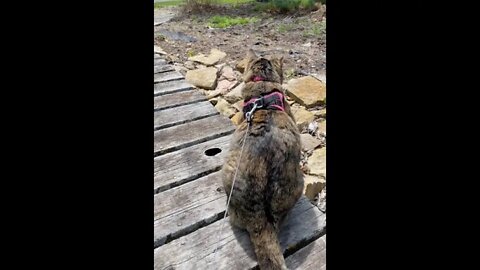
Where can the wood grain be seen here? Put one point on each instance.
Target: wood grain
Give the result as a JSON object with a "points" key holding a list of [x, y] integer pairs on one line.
{"points": [[184, 135], [187, 164], [183, 209], [177, 99], [195, 250], [183, 114], [162, 68], [171, 87], [159, 61], [311, 257], [167, 76]]}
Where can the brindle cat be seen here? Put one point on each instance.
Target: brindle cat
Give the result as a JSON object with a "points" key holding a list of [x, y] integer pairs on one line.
{"points": [[269, 180]]}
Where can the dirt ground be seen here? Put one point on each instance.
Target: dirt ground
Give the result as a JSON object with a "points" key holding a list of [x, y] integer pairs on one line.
{"points": [[299, 38]]}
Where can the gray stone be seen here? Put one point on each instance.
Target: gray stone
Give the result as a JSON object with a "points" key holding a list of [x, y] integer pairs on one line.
{"points": [[228, 74], [322, 200], [302, 117], [317, 162], [307, 91], [222, 88], [309, 142], [313, 186], [236, 93], [214, 57], [205, 78], [225, 108]]}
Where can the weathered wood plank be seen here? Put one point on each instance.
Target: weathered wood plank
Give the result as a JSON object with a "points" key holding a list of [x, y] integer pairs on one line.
{"points": [[184, 135], [310, 257], [195, 250], [183, 209], [162, 68], [170, 87], [182, 114], [177, 99], [189, 163], [159, 61], [167, 76]]}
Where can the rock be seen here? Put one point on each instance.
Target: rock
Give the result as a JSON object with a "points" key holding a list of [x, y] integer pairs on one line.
{"points": [[309, 142], [302, 117], [307, 91], [241, 65], [157, 49], [238, 105], [221, 89], [220, 66], [204, 78], [225, 108], [313, 186], [322, 128], [214, 57], [189, 65], [322, 77], [312, 127], [236, 93], [237, 119], [322, 200], [320, 113], [317, 162], [228, 74]]}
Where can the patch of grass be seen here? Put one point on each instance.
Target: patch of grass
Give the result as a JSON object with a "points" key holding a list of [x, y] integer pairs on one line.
{"points": [[191, 53], [285, 27], [158, 37], [167, 4], [316, 29], [285, 6], [289, 73], [196, 6], [234, 2], [227, 21]]}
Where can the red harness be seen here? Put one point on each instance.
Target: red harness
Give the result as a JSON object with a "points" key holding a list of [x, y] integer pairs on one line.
{"points": [[272, 101]]}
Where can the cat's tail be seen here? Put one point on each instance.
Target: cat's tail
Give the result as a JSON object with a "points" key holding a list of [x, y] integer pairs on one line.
{"points": [[267, 249]]}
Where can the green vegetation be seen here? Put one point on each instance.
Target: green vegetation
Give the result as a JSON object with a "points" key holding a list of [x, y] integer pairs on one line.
{"points": [[316, 29], [233, 2], [191, 52], [200, 2], [286, 6], [285, 27], [227, 21], [167, 4]]}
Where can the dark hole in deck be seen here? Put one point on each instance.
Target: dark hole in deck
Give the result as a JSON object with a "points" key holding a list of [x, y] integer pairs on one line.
{"points": [[212, 151]]}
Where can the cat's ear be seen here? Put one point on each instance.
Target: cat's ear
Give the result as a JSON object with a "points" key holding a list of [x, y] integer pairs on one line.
{"points": [[251, 54]]}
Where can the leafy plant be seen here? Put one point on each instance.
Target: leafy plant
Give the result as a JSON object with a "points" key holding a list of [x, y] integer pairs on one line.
{"points": [[227, 21]]}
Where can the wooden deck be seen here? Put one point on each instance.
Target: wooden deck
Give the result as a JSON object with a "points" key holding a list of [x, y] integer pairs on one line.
{"points": [[191, 141]]}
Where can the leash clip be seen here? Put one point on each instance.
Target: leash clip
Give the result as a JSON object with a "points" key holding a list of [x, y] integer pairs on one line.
{"points": [[257, 104]]}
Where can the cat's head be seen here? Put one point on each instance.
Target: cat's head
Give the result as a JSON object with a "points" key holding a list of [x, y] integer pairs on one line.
{"points": [[263, 69]]}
